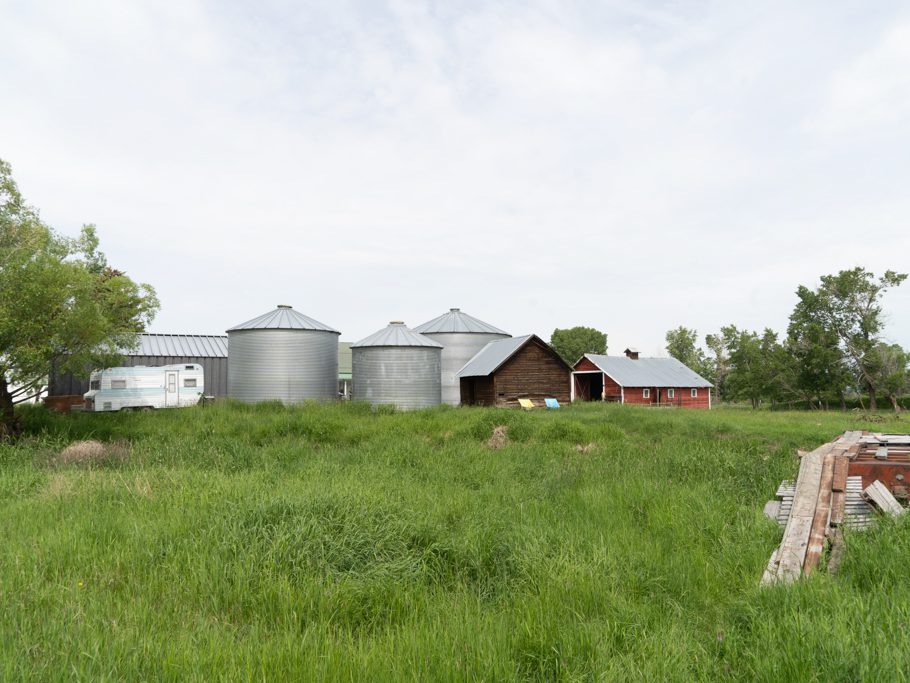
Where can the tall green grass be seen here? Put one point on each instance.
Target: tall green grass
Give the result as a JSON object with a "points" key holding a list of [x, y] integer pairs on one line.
{"points": [[341, 543]]}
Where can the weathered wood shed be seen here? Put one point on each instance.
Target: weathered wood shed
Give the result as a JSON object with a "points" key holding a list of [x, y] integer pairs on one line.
{"points": [[506, 370], [640, 381]]}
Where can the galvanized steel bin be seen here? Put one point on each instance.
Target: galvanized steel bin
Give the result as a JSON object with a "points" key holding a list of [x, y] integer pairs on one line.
{"points": [[283, 355], [397, 366], [461, 336]]}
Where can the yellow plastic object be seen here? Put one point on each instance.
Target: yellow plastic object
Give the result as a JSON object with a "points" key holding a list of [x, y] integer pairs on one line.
{"points": [[526, 403]]}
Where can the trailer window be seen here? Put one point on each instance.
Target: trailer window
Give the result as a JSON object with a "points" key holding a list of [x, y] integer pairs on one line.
{"points": [[118, 384], [189, 382], [95, 384]]}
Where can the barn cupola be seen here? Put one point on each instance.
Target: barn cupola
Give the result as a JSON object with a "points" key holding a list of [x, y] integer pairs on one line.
{"points": [[631, 353]]}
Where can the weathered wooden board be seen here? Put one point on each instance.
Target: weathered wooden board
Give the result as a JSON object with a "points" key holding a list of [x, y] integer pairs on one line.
{"points": [[822, 514], [795, 543], [841, 471], [879, 494], [838, 507]]}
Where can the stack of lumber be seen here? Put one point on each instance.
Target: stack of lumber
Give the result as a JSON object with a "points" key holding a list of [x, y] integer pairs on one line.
{"points": [[818, 505]]}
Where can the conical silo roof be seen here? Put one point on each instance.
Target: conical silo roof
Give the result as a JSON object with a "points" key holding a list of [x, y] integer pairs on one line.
{"points": [[457, 322], [396, 334], [283, 318]]}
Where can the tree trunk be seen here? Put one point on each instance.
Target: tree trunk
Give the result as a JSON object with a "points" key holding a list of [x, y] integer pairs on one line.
{"points": [[894, 403], [843, 401], [873, 404], [9, 425]]}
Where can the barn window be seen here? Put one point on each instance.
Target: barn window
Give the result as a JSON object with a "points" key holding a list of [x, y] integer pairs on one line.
{"points": [[118, 384], [189, 382], [646, 393], [671, 393], [695, 393]]}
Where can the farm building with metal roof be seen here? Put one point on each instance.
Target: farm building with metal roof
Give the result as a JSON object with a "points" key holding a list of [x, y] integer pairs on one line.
{"points": [[506, 370], [209, 351], [641, 381]]}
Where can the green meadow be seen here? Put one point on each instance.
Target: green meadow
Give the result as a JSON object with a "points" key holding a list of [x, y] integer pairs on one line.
{"points": [[335, 542]]}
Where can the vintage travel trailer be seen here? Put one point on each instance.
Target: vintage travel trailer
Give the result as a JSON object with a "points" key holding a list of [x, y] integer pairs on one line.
{"points": [[144, 388]]}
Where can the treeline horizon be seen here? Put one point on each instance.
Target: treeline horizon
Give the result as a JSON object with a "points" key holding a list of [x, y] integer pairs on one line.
{"points": [[832, 352]]}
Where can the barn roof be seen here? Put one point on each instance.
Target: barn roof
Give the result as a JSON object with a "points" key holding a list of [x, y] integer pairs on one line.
{"points": [[456, 321], [283, 318], [180, 345], [396, 334], [648, 372], [492, 356]]}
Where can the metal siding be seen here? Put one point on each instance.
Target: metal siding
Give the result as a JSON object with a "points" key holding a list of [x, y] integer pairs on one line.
{"points": [[406, 377], [287, 365], [458, 349]]}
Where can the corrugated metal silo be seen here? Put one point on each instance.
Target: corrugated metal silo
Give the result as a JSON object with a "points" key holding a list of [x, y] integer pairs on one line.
{"points": [[282, 355], [461, 336], [397, 366]]}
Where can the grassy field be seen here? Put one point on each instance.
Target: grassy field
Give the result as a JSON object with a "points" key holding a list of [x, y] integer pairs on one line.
{"points": [[337, 543]]}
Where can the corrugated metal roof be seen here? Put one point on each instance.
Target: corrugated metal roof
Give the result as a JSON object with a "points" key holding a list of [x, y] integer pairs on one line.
{"points": [[648, 372], [396, 334], [283, 318], [456, 321], [491, 356], [177, 345]]}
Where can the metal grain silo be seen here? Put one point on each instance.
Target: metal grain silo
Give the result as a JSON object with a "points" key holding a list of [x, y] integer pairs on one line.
{"points": [[461, 336], [282, 355], [397, 366]]}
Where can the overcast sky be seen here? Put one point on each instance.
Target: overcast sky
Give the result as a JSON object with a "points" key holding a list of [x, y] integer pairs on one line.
{"points": [[630, 166]]}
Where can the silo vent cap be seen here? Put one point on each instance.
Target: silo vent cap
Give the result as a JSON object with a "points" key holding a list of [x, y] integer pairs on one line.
{"points": [[284, 306], [455, 310], [396, 322]]}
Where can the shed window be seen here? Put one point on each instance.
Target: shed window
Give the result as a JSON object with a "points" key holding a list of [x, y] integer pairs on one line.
{"points": [[189, 382], [671, 393], [694, 393], [118, 384], [646, 393]]}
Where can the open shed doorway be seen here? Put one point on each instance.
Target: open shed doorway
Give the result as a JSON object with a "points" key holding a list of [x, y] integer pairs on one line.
{"points": [[589, 386]]}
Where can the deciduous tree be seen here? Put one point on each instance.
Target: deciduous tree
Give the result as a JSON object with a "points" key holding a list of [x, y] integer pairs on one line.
{"points": [[848, 305], [60, 303], [575, 342]]}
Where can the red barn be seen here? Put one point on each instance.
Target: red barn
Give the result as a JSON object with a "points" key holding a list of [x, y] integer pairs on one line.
{"points": [[639, 381]]}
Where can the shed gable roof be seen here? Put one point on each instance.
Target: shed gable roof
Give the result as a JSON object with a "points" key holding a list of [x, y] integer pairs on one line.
{"points": [[495, 354], [648, 372]]}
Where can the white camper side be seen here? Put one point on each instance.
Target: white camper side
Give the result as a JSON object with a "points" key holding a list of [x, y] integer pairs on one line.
{"points": [[137, 388]]}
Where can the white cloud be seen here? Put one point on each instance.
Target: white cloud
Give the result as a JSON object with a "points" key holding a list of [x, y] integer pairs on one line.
{"points": [[624, 165]]}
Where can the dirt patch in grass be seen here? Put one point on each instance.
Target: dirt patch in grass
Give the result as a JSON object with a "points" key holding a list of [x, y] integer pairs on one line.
{"points": [[499, 438], [92, 453]]}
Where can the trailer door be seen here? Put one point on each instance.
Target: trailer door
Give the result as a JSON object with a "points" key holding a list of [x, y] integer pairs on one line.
{"points": [[171, 396]]}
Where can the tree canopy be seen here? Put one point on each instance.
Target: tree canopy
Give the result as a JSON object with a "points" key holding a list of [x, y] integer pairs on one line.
{"points": [[574, 342], [833, 347], [60, 302]]}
